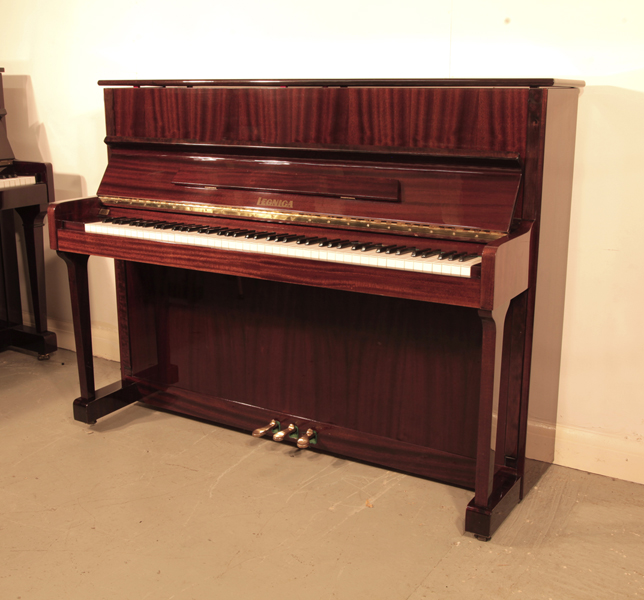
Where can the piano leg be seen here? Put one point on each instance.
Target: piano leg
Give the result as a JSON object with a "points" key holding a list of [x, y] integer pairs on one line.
{"points": [[497, 487], [92, 404], [15, 333], [11, 309], [32, 220]]}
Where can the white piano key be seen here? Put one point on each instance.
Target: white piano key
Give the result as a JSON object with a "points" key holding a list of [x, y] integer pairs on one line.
{"points": [[317, 253], [18, 181]]}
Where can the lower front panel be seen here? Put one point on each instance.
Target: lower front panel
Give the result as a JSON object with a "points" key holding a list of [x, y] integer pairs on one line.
{"points": [[403, 374]]}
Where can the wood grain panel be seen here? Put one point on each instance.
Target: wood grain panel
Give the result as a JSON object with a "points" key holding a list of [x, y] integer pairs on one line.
{"points": [[462, 119], [395, 368]]}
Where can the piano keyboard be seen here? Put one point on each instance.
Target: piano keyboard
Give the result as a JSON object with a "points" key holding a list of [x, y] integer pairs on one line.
{"points": [[406, 258], [7, 182]]}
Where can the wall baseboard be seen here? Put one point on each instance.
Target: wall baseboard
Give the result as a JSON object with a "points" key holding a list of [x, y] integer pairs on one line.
{"points": [[613, 455], [105, 338]]}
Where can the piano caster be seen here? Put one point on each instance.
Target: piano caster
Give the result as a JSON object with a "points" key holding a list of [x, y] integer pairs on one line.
{"points": [[310, 437], [43, 357], [280, 436], [272, 427]]}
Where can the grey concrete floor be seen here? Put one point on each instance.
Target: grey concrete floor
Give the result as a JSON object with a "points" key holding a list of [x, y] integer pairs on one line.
{"points": [[149, 505]]}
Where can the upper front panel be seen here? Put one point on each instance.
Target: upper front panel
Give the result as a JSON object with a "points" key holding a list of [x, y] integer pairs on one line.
{"points": [[453, 121]]}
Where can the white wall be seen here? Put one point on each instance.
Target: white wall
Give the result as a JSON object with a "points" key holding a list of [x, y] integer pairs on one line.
{"points": [[54, 52]]}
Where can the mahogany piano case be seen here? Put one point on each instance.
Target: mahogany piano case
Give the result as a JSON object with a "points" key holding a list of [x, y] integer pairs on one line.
{"points": [[354, 267]]}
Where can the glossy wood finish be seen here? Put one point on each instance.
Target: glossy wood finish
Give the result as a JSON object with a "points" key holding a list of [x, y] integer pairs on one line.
{"points": [[416, 193], [394, 119], [326, 356], [422, 373]]}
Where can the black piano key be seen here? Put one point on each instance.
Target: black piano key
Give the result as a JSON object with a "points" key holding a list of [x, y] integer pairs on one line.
{"points": [[263, 234], [385, 248], [430, 253], [243, 232], [331, 243], [357, 246], [305, 240], [404, 250], [344, 244], [224, 231], [295, 238], [370, 246], [457, 256], [468, 257], [419, 252], [272, 237], [317, 240], [444, 255], [192, 228], [393, 249]]}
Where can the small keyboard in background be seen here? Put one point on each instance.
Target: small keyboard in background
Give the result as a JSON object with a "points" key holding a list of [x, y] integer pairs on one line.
{"points": [[11, 181]]}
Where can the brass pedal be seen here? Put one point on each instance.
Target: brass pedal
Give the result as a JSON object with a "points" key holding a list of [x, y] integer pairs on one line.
{"points": [[262, 431], [280, 436], [310, 437]]}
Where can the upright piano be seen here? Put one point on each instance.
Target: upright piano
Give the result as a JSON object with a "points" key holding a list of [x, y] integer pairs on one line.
{"points": [[368, 268], [25, 188]]}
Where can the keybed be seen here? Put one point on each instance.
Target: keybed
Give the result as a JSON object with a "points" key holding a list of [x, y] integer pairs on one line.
{"points": [[421, 259]]}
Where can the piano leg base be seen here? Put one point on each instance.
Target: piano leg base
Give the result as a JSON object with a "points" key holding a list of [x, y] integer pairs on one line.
{"points": [[509, 490], [43, 343], [107, 400], [484, 521]]}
